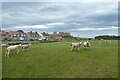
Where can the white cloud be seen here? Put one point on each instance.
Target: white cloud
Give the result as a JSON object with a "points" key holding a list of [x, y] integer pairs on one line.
{"points": [[76, 23], [100, 12], [107, 34], [61, 17], [33, 26], [60, 1], [2, 28], [57, 23], [92, 29]]}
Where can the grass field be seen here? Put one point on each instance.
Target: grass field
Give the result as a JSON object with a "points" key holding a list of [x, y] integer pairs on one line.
{"points": [[55, 60]]}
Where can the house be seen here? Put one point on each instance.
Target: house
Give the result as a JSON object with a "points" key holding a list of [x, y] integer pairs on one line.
{"points": [[33, 35], [58, 37], [2, 33], [64, 34], [46, 36], [54, 33], [17, 35], [13, 34]]}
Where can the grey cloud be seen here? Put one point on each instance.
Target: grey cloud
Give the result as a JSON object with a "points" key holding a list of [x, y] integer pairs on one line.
{"points": [[73, 15]]}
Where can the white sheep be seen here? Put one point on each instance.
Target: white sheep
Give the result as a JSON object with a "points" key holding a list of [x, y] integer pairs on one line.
{"points": [[25, 46], [4, 45], [75, 45], [86, 44], [12, 48]]}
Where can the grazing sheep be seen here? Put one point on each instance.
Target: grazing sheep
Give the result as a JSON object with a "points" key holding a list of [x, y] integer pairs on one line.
{"points": [[4, 45], [109, 41], [75, 45], [80, 43], [12, 48], [86, 44], [25, 46]]}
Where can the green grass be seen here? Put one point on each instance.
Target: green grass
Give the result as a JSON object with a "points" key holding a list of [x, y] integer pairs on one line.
{"points": [[55, 60]]}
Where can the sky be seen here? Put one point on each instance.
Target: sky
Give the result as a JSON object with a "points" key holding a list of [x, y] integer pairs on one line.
{"points": [[81, 19]]}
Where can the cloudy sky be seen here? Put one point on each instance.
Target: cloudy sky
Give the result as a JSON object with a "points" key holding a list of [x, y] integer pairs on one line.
{"points": [[83, 19]]}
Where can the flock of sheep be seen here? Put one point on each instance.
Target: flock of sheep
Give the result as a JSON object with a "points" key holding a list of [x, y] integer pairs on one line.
{"points": [[77, 45], [12, 48], [74, 45]]}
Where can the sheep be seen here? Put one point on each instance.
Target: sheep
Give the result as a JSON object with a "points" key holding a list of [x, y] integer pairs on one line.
{"points": [[86, 44], [25, 46], [12, 48], [109, 41], [4, 45], [80, 43], [75, 45]]}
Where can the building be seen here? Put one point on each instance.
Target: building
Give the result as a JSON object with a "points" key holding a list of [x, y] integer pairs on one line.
{"points": [[2, 33], [21, 35], [13, 34], [46, 36], [54, 33], [33, 35], [58, 37], [55, 36], [17, 35], [64, 34]]}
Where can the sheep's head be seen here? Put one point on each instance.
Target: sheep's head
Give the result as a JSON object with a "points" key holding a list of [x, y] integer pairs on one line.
{"points": [[80, 43], [20, 44], [88, 41]]}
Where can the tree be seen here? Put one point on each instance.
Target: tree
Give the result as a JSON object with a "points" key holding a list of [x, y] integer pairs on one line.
{"points": [[21, 31], [107, 37]]}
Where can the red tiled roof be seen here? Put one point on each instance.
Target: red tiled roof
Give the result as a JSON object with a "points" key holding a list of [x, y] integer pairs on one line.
{"points": [[13, 32], [58, 37], [2, 32]]}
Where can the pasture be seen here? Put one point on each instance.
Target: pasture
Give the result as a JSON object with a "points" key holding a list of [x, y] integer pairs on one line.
{"points": [[56, 60]]}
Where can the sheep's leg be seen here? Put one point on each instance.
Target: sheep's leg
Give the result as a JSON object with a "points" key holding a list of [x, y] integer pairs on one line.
{"points": [[78, 49], [8, 54], [23, 48], [86, 47], [17, 50], [71, 48]]}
